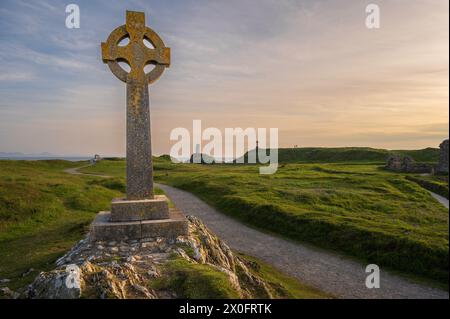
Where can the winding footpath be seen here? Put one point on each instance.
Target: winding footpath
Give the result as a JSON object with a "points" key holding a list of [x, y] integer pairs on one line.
{"points": [[440, 199], [75, 171], [325, 270]]}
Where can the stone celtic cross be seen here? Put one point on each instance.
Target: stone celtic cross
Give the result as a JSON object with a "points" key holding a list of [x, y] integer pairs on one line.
{"points": [[137, 55], [141, 214]]}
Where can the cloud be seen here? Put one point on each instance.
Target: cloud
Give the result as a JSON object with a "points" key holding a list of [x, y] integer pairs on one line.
{"points": [[23, 53], [76, 42], [310, 68], [17, 76]]}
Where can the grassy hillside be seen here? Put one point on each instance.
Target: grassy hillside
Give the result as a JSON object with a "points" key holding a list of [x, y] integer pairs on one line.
{"points": [[44, 211], [358, 209], [435, 183], [349, 154]]}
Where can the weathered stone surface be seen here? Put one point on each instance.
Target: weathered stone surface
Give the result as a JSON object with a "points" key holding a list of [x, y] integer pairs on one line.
{"points": [[142, 209], [404, 163], [6, 293], [102, 228], [125, 219], [175, 226], [137, 55], [139, 153], [394, 162], [52, 285], [443, 158], [129, 274]]}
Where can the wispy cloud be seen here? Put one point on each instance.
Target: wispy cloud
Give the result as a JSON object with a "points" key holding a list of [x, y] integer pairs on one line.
{"points": [[12, 76], [310, 68]]}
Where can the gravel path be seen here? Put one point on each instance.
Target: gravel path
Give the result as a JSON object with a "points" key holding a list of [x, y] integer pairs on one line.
{"points": [[75, 171], [325, 270], [440, 199]]}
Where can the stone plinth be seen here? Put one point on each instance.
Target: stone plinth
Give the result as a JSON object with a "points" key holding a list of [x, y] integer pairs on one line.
{"points": [[102, 228], [134, 210]]}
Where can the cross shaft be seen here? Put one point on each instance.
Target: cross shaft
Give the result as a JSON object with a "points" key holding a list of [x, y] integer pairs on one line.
{"points": [[137, 55]]}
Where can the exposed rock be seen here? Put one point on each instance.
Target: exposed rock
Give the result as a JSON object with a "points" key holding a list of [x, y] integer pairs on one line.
{"points": [[92, 271], [26, 273], [6, 293], [52, 285], [4, 281]]}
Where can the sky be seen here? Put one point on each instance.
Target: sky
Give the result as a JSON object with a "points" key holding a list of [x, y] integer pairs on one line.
{"points": [[312, 69]]}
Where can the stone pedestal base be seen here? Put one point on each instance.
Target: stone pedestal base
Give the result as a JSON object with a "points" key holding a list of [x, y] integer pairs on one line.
{"points": [[103, 228], [142, 209]]}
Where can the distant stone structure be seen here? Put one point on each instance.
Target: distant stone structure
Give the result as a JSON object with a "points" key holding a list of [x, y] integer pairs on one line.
{"points": [[405, 163], [442, 166], [394, 163], [95, 159]]}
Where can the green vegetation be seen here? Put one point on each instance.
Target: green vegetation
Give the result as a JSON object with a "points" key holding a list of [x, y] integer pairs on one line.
{"points": [[353, 207], [198, 281], [195, 281], [44, 211], [280, 285], [356, 208], [350, 154], [436, 184]]}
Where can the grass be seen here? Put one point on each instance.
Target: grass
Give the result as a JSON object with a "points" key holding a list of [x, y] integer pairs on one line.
{"points": [[356, 208], [350, 154], [195, 281], [44, 211], [201, 281], [281, 285], [435, 183]]}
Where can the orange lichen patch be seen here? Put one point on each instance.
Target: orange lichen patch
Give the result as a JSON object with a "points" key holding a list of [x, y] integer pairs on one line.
{"points": [[135, 53]]}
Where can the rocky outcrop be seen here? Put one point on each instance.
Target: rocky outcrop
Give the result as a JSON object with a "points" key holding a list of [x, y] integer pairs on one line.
{"points": [[6, 293], [130, 269]]}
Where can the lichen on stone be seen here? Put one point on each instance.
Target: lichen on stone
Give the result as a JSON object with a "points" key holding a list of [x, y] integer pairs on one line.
{"points": [[145, 269]]}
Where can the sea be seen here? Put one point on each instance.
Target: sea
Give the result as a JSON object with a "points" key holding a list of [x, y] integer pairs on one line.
{"points": [[43, 158]]}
